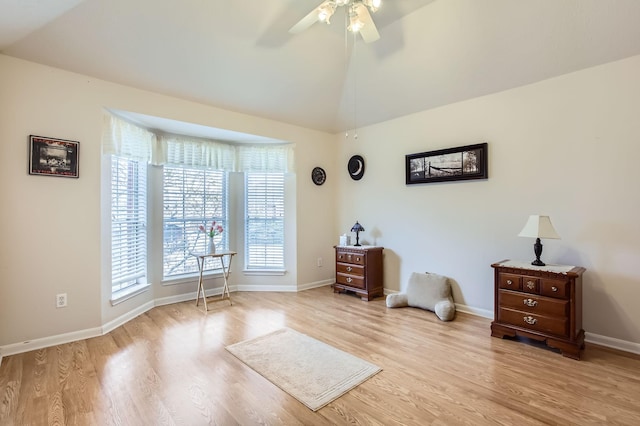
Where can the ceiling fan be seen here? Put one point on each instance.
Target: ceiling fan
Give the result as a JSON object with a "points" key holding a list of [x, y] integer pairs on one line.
{"points": [[357, 12]]}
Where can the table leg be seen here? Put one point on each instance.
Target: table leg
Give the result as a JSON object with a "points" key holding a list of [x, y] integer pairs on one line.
{"points": [[225, 274], [200, 285]]}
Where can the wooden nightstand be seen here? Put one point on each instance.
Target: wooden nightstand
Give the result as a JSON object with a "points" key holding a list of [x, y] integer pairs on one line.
{"points": [[540, 302], [359, 269]]}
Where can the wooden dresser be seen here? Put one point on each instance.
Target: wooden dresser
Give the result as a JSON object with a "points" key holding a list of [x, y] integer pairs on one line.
{"points": [[540, 302], [359, 269]]}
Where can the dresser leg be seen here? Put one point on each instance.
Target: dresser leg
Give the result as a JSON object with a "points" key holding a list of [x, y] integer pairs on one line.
{"points": [[500, 332], [569, 349]]}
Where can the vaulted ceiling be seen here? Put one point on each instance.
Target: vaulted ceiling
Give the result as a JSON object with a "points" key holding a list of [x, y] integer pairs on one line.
{"points": [[238, 55]]}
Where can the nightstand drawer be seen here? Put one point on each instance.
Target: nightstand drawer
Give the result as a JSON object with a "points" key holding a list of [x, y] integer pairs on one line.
{"points": [[351, 269], [348, 257], [350, 280], [551, 325], [531, 285], [533, 304], [510, 281], [555, 288]]}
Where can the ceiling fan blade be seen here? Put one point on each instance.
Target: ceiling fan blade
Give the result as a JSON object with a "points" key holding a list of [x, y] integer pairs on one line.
{"points": [[369, 32], [308, 20]]}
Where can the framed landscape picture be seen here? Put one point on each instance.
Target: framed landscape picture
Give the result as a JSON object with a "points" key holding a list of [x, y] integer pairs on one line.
{"points": [[53, 157], [443, 165]]}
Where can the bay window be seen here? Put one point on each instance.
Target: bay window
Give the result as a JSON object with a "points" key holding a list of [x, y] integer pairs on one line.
{"points": [[163, 187]]}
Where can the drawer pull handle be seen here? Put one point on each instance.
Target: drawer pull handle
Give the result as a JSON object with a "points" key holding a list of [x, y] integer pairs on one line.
{"points": [[509, 282], [349, 279], [554, 288], [530, 302], [348, 268], [357, 259], [530, 320], [531, 285]]}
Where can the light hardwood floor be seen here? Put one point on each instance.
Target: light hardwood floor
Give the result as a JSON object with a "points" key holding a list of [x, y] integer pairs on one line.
{"points": [[169, 366]]}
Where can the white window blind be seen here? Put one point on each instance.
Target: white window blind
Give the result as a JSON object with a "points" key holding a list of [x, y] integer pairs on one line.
{"points": [[191, 197], [128, 222], [264, 223]]}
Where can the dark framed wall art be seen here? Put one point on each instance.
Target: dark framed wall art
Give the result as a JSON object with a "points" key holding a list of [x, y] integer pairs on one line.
{"points": [[443, 165], [53, 157]]}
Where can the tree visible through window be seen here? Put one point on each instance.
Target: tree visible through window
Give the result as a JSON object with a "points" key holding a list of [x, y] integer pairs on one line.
{"points": [[192, 197]]}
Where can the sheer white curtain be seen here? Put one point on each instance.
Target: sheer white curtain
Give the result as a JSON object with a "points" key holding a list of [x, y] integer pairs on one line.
{"points": [[190, 151], [128, 140], [265, 158]]}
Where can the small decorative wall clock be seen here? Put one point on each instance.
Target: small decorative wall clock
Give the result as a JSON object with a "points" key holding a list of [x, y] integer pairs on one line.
{"points": [[318, 175]]}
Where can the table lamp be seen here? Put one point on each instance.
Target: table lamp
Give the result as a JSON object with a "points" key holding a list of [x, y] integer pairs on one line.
{"points": [[357, 228], [538, 227]]}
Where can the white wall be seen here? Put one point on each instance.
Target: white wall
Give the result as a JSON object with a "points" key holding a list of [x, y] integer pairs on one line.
{"points": [[568, 147], [50, 230]]}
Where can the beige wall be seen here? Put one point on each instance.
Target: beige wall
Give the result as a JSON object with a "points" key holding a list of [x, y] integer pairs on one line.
{"points": [[565, 147], [568, 147], [50, 230]]}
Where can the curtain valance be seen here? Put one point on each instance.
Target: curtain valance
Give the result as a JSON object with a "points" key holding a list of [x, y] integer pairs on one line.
{"points": [[128, 140]]}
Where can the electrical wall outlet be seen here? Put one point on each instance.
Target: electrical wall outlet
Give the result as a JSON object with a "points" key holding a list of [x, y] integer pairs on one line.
{"points": [[61, 300], [319, 262]]}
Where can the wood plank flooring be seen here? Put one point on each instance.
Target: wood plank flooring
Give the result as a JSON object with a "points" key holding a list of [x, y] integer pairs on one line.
{"points": [[169, 367]]}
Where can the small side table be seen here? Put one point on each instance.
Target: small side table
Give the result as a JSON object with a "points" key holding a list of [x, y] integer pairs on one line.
{"points": [[222, 255]]}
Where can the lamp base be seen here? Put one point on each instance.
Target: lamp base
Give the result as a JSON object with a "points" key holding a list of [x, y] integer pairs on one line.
{"points": [[537, 250]]}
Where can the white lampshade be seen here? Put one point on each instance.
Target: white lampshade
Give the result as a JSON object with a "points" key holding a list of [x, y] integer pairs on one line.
{"points": [[539, 227]]}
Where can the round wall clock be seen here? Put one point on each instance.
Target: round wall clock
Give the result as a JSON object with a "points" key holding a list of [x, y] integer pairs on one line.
{"points": [[356, 167], [318, 175]]}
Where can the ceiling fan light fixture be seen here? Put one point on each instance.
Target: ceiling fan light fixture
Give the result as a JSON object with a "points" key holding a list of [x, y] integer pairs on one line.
{"points": [[355, 24], [373, 5], [326, 12], [357, 17]]}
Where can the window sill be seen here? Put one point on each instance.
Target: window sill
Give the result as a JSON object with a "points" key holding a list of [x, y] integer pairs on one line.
{"points": [[265, 272], [127, 293]]}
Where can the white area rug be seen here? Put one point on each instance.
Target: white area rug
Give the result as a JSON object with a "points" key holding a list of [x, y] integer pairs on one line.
{"points": [[311, 371]]}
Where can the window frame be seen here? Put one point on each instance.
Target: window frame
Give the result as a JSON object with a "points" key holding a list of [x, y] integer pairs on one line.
{"points": [[222, 217], [123, 290], [264, 268]]}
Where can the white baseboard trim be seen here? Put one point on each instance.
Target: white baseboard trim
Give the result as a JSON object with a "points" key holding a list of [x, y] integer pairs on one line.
{"points": [[179, 298], [60, 339], [611, 342], [45, 342], [459, 307], [122, 319], [485, 313], [315, 284]]}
